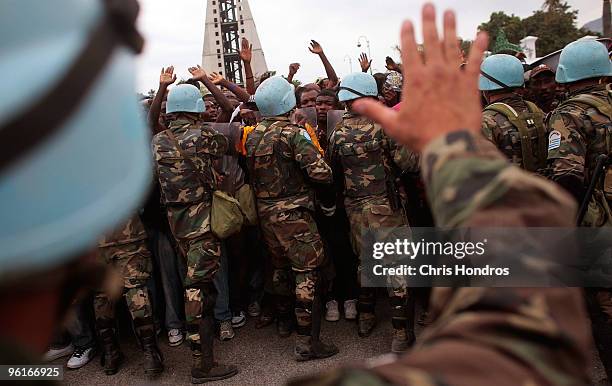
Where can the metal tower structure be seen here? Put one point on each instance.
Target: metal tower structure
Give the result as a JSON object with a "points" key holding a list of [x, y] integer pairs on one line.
{"points": [[227, 22]]}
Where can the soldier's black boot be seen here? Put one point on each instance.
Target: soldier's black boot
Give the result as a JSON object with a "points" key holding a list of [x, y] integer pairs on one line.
{"points": [[111, 357], [153, 359], [308, 345], [207, 369], [365, 307], [402, 319], [307, 348], [285, 322]]}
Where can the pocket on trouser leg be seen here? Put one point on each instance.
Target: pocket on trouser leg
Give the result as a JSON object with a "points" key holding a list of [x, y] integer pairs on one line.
{"points": [[137, 269], [202, 261], [138, 303]]}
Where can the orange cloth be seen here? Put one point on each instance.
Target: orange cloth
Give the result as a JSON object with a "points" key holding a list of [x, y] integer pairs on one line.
{"points": [[313, 135]]}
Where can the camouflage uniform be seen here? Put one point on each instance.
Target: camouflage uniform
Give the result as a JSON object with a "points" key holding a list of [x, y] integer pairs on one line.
{"points": [[189, 200], [284, 166], [366, 165], [126, 251], [485, 336], [507, 137], [578, 134]]}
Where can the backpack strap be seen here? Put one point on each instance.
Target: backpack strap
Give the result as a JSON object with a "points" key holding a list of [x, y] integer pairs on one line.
{"points": [[526, 150], [538, 117]]}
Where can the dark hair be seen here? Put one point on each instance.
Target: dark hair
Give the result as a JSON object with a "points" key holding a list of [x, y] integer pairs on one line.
{"points": [[301, 90], [193, 83], [332, 94], [380, 81]]}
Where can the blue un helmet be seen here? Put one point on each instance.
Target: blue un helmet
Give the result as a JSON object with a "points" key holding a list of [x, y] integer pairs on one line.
{"points": [[501, 71], [185, 98], [357, 85], [583, 59], [275, 96], [74, 151]]}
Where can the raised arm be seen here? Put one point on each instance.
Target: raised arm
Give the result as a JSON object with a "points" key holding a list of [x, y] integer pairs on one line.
{"points": [[166, 78], [364, 62], [316, 48], [293, 69], [240, 93], [246, 54], [200, 75]]}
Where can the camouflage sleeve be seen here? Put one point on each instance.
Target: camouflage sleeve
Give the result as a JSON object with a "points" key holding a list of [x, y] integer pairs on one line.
{"points": [[488, 127], [566, 152], [484, 336], [309, 158], [405, 159]]}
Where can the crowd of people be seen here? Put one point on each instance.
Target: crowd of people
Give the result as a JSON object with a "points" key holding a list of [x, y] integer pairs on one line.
{"points": [[261, 195]]}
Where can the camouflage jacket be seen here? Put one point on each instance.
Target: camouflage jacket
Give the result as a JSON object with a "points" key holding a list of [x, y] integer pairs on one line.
{"points": [[578, 133], [186, 192], [366, 163], [488, 336], [283, 163], [498, 129], [133, 230]]}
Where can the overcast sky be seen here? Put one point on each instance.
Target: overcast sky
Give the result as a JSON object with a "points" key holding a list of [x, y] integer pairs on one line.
{"points": [[174, 30]]}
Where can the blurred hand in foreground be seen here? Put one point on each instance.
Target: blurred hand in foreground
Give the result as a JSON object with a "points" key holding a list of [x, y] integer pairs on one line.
{"points": [[438, 96]]}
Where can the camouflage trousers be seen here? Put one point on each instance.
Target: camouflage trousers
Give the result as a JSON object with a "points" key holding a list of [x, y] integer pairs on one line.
{"points": [[203, 259], [375, 213], [296, 253], [133, 262]]}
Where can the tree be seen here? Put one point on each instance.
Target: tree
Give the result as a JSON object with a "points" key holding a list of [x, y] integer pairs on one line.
{"points": [[511, 25], [554, 25]]}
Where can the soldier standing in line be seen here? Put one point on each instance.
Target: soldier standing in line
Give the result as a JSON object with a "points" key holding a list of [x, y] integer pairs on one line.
{"points": [[126, 251], [580, 130], [365, 164], [287, 170], [184, 156], [514, 125]]}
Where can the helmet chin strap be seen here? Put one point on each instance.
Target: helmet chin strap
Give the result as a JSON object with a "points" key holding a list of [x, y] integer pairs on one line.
{"points": [[353, 91], [39, 121], [495, 80]]}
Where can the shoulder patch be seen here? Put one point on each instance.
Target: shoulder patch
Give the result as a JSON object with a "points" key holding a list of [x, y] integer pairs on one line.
{"points": [[554, 140], [305, 134]]}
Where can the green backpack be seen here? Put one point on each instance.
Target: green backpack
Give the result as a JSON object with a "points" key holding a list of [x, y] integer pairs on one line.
{"points": [[533, 118]]}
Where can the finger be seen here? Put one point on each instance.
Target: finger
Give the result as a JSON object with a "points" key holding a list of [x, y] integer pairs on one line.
{"points": [[250, 47], [476, 54], [451, 43], [433, 52], [410, 50], [378, 112], [163, 71]]}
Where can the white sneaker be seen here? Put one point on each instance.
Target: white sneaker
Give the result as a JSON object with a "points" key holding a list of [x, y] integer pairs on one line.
{"points": [[239, 319], [226, 331], [56, 353], [350, 309], [175, 337], [80, 357], [331, 311]]}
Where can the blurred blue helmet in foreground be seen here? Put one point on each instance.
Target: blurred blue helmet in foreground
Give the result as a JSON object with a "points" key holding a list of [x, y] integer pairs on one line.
{"points": [[357, 85], [275, 96], [185, 98], [74, 151], [583, 59]]}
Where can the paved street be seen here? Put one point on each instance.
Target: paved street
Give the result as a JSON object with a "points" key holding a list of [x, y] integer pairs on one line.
{"points": [[263, 357]]}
